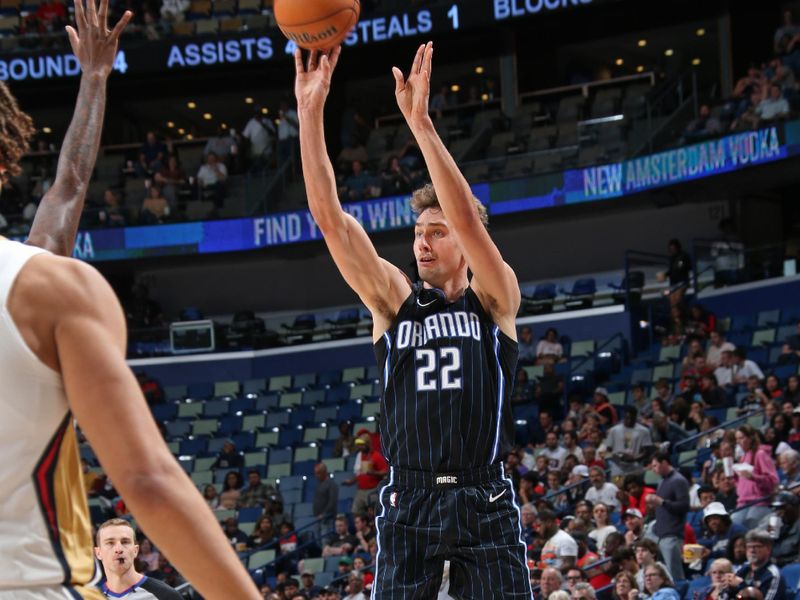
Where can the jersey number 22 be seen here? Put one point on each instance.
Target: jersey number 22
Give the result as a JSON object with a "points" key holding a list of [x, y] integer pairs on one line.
{"points": [[438, 371]]}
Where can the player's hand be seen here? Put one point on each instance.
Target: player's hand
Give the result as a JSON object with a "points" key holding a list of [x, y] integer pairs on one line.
{"points": [[313, 80], [94, 45], [412, 93]]}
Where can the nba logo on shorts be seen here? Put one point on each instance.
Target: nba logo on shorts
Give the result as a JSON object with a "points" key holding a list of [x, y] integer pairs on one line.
{"points": [[393, 499]]}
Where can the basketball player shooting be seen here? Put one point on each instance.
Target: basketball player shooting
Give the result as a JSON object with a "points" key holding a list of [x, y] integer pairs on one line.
{"points": [[448, 349]]}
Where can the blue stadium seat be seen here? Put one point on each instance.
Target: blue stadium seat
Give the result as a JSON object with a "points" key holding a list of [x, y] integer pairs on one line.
{"points": [[349, 411], [695, 585], [681, 586], [740, 323], [244, 441], [242, 405], [324, 414], [791, 576], [193, 447], [215, 445], [178, 429], [293, 482], [302, 509], [313, 397], [276, 419], [305, 467], [267, 401], [165, 412], [200, 390], [250, 515], [216, 408], [290, 436], [229, 425], [337, 394], [301, 415], [280, 455], [768, 318], [291, 497], [329, 378]]}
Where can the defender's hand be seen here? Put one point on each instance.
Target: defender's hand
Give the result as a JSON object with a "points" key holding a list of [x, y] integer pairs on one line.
{"points": [[412, 93], [313, 81], [93, 44]]}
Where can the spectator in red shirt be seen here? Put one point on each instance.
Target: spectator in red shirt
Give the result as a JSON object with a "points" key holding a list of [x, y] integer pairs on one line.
{"points": [[51, 15], [369, 470], [603, 408], [633, 493]]}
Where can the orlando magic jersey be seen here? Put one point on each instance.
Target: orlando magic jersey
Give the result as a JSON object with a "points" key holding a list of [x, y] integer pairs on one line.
{"points": [[447, 378]]}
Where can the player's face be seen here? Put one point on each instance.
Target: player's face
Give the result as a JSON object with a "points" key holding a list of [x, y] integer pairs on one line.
{"points": [[117, 549], [435, 248]]}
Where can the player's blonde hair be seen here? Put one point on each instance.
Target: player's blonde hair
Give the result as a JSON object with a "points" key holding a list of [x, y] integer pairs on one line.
{"points": [[113, 523], [425, 198]]}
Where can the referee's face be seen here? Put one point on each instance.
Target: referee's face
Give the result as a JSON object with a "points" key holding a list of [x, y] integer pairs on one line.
{"points": [[117, 549]]}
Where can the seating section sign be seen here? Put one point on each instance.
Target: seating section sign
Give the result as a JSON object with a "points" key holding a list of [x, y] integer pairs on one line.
{"points": [[590, 184]]}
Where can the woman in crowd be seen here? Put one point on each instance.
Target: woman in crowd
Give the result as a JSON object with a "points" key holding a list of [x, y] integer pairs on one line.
{"points": [[755, 475], [624, 584], [737, 551], [549, 349], [211, 496], [602, 527], [792, 391], [231, 491], [263, 533], [657, 584]]}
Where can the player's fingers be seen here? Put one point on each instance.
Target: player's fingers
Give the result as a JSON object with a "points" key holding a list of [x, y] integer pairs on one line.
{"points": [[334, 56], [415, 66], [102, 15], [427, 63], [91, 13], [74, 41], [399, 83], [313, 59], [80, 16], [121, 24], [298, 61]]}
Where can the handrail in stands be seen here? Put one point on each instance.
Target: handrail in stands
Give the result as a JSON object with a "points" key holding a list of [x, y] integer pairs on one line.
{"points": [[724, 425]]}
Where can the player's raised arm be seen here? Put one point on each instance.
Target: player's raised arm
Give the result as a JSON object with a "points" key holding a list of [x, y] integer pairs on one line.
{"points": [[494, 281], [381, 286], [95, 46], [86, 344]]}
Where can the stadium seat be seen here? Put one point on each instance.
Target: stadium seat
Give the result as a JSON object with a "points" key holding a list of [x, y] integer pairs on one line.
{"points": [[250, 515], [363, 390], [279, 470], [205, 426], [215, 408], [582, 349], [280, 455], [175, 392], [277, 419], [254, 386], [253, 422], [254, 459], [306, 453], [265, 439], [315, 434], [190, 409], [304, 380], [260, 559], [279, 383], [325, 414], [200, 391], [353, 374], [301, 415], [768, 318], [542, 300], [290, 399], [314, 565], [791, 576], [763, 337], [334, 464]]}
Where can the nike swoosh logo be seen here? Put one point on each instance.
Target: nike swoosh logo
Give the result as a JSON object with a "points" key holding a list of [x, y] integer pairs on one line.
{"points": [[495, 498], [427, 304]]}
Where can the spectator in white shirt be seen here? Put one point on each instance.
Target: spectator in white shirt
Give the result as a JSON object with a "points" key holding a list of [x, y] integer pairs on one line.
{"points": [[549, 348], [554, 453], [717, 346], [259, 132], [211, 178], [724, 372], [602, 490], [743, 367], [774, 106]]}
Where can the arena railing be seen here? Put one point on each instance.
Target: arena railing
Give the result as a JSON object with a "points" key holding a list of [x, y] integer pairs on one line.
{"points": [[722, 426], [723, 262]]}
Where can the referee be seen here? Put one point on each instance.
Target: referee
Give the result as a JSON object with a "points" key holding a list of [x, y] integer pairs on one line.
{"points": [[117, 549]]}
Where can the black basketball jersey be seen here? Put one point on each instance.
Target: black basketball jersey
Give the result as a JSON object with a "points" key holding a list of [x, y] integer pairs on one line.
{"points": [[447, 378]]}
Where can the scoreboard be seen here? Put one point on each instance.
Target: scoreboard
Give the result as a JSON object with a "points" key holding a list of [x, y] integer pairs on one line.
{"points": [[173, 55]]}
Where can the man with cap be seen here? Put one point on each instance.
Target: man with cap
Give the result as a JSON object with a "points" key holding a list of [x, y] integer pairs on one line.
{"points": [[720, 529], [370, 468], [633, 520], [783, 526], [603, 408], [307, 584]]}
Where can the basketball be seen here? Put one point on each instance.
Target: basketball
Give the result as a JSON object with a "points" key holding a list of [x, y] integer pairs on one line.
{"points": [[316, 24]]}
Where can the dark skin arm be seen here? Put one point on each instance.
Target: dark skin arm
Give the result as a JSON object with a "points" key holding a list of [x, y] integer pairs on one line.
{"points": [[95, 46]]}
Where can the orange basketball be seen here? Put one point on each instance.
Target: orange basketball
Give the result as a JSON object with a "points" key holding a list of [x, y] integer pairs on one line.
{"points": [[316, 24]]}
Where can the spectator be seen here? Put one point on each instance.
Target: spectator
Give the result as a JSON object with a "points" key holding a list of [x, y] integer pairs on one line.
{"points": [[560, 551], [211, 178], [263, 533], [360, 183], [789, 462], [603, 407], [152, 155], [602, 526], [718, 529], [288, 539], [231, 491], [783, 525], [785, 33], [524, 389], [638, 399], [257, 491], [646, 554], [671, 503], [51, 16], [345, 444], [395, 178], [695, 370], [370, 467], [744, 367], [326, 497], [792, 392], [364, 532], [554, 452], [211, 497], [236, 536], [155, 208], [527, 347], [791, 347], [174, 11], [665, 431], [627, 440], [726, 492], [438, 102], [220, 145], [573, 577], [705, 125], [663, 392], [260, 135], [544, 425], [718, 571], [602, 490], [713, 395], [634, 493], [551, 581], [700, 322], [112, 214], [728, 255], [773, 106], [758, 571], [172, 179], [549, 349], [288, 134], [678, 272], [724, 372], [343, 542], [309, 589], [657, 583], [355, 587], [583, 591], [550, 390], [228, 457], [624, 584], [755, 477], [633, 520]]}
